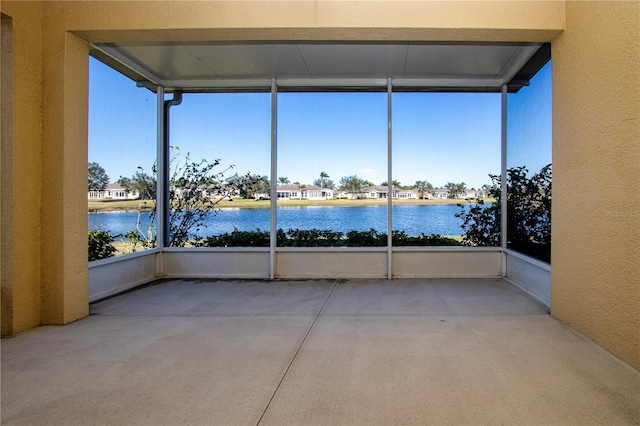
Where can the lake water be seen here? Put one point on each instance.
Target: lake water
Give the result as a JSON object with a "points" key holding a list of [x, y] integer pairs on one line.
{"points": [[413, 219]]}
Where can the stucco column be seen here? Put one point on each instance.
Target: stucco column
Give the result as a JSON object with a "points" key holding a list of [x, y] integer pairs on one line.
{"points": [[64, 175], [20, 168]]}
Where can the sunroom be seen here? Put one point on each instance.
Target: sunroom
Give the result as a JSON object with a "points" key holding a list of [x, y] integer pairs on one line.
{"points": [[289, 93]]}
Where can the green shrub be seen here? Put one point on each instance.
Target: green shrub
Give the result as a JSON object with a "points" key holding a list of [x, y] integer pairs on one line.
{"points": [[237, 238], [311, 238], [135, 240], [401, 239], [370, 238], [321, 238], [528, 214], [100, 245]]}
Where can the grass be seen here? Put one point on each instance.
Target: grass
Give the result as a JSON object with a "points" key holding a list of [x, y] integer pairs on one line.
{"points": [[114, 205]]}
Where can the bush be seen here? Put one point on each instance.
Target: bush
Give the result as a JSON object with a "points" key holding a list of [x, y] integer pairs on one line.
{"points": [[311, 238], [401, 239], [196, 188], [321, 238], [482, 222], [100, 245], [528, 214], [237, 238], [370, 238]]}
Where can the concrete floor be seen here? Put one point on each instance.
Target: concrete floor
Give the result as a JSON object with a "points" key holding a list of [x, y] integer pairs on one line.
{"points": [[368, 352]]}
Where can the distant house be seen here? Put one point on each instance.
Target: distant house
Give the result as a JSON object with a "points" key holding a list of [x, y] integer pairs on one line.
{"points": [[440, 193], [113, 191], [288, 192], [312, 192], [379, 192], [351, 195], [426, 195], [474, 193], [406, 194], [382, 192], [481, 193], [261, 196], [309, 192], [220, 191]]}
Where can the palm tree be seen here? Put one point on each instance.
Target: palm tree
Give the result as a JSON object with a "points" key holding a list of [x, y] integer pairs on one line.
{"points": [[394, 183], [456, 190], [283, 180], [423, 187], [323, 176]]}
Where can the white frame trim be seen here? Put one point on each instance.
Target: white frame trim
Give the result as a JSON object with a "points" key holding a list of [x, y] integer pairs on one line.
{"points": [[273, 210], [389, 178], [530, 275]]}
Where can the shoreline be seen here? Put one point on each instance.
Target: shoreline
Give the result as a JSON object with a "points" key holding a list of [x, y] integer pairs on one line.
{"points": [[238, 203]]}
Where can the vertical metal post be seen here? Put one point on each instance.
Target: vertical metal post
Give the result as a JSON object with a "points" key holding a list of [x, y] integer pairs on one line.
{"points": [[503, 183], [273, 241], [162, 172], [165, 165], [389, 180]]}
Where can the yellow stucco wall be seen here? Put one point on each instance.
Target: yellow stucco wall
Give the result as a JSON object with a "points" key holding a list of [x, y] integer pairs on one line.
{"points": [[378, 20], [595, 67], [52, 51], [64, 203], [596, 175], [21, 175]]}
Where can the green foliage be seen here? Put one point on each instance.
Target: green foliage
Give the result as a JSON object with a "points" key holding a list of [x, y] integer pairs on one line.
{"points": [[310, 238], [250, 185], [352, 184], [528, 214], [237, 238], [324, 181], [137, 240], [195, 192], [97, 177], [394, 183], [456, 190], [322, 238], [143, 238], [140, 182], [370, 238], [100, 245], [401, 239], [482, 222], [424, 188]]}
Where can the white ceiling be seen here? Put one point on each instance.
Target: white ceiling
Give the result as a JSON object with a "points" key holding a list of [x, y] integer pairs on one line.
{"points": [[202, 66]]}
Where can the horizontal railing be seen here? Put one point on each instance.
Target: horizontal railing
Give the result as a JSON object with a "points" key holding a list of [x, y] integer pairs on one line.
{"points": [[530, 275], [114, 275]]}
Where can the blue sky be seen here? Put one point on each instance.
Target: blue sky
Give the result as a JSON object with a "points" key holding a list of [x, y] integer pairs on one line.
{"points": [[439, 137], [529, 123], [122, 122]]}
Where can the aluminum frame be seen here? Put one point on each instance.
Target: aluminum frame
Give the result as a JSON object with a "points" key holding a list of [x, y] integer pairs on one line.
{"points": [[503, 180], [162, 190]]}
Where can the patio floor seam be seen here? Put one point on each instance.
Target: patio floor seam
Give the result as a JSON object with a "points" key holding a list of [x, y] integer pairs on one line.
{"points": [[295, 355]]}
